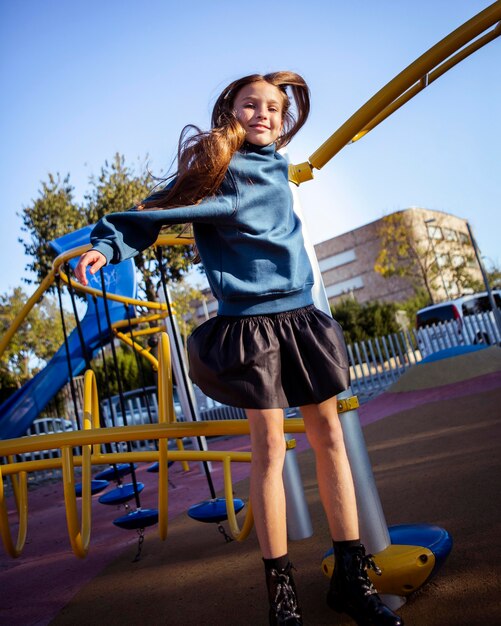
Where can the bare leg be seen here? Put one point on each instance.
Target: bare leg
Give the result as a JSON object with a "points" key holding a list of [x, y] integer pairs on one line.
{"points": [[266, 486], [335, 481]]}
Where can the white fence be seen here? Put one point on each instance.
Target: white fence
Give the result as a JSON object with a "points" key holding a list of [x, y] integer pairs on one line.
{"points": [[377, 363]]}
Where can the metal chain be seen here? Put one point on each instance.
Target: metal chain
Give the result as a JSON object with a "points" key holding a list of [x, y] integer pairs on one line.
{"points": [[140, 542], [227, 537]]}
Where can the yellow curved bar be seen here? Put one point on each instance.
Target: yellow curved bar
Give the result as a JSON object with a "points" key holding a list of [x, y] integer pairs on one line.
{"points": [[138, 348], [20, 317], [91, 405], [143, 319], [165, 416], [147, 331], [359, 122], [111, 296], [165, 239], [149, 456], [163, 488], [180, 447], [429, 79], [180, 239], [80, 533], [135, 432], [20, 487], [237, 534]]}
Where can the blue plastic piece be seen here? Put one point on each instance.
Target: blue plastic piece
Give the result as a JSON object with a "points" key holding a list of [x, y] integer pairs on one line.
{"points": [[137, 519], [22, 407], [212, 511], [436, 539], [122, 469], [447, 353], [120, 494], [154, 468], [95, 487]]}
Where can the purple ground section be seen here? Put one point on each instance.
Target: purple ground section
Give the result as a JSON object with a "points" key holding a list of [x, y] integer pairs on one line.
{"points": [[390, 403], [36, 586], [47, 575]]}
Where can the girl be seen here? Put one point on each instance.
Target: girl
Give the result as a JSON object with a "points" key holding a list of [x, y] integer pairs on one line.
{"points": [[269, 347]]}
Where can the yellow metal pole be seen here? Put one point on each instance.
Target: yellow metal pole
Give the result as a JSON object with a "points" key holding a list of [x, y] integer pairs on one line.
{"points": [[429, 79], [415, 73], [21, 496], [80, 533], [20, 317], [135, 432], [138, 348], [238, 534]]}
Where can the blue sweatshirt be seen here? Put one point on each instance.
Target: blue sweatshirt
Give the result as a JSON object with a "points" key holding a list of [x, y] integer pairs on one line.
{"points": [[248, 236]]}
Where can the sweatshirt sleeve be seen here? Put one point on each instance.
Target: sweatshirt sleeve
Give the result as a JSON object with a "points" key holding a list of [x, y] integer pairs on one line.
{"points": [[120, 236]]}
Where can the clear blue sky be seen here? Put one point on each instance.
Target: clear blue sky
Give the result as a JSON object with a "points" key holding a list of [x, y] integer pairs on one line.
{"points": [[81, 80]]}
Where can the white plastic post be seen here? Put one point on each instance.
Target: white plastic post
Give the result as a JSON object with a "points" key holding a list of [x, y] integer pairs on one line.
{"points": [[373, 528], [298, 516]]}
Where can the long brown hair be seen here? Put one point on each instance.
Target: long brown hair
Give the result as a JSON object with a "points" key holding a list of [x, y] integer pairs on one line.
{"points": [[203, 157]]}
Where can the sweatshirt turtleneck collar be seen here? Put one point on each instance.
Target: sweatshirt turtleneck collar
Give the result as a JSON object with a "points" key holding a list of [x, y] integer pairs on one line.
{"points": [[253, 148]]}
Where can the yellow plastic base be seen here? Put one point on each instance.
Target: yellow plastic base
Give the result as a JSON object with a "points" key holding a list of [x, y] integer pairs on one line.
{"points": [[404, 569]]}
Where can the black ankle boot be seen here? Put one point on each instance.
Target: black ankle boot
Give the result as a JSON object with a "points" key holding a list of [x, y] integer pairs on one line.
{"points": [[351, 590], [284, 609]]}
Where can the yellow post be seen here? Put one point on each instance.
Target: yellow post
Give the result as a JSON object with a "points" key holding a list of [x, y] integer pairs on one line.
{"points": [[21, 496]]}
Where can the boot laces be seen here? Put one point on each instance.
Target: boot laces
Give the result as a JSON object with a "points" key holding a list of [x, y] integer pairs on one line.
{"points": [[285, 602], [369, 563], [366, 563]]}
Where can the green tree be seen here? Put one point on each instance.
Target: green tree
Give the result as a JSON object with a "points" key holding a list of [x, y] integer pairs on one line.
{"points": [[493, 276], [426, 263], [131, 376], [365, 321], [400, 254], [411, 306], [183, 297], [53, 214], [118, 187], [36, 340]]}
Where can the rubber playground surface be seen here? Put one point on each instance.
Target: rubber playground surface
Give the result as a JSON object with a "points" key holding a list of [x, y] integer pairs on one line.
{"points": [[434, 440]]}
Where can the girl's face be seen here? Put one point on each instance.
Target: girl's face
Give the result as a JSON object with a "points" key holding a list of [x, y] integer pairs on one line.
{"points": [[259, 108]]}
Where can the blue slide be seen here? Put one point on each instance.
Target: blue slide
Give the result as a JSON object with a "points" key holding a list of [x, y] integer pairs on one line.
{"points": [[19, 410]]}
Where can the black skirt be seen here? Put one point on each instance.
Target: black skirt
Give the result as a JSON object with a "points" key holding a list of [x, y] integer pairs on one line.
{"points": [[270, 361]]}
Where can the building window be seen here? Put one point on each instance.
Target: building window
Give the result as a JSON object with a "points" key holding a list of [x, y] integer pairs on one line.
{"points": [[449, 234], [464, 238], [345, 286], [458, 260], [434, 232], [336, 260], [443, 260]]}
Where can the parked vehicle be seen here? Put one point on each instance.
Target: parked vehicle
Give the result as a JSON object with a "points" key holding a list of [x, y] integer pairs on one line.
{"points": [[467, 320]]}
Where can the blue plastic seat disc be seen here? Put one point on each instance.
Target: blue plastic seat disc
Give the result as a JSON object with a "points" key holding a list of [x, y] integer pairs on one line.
{"points": [[213, 511], [95, 487], [120, 494], [137, 519], [154, 468], [111, 474]]}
